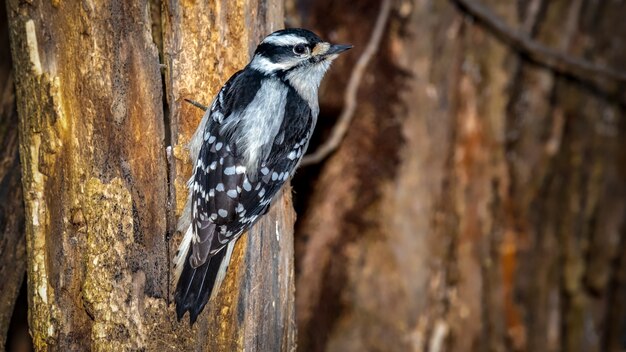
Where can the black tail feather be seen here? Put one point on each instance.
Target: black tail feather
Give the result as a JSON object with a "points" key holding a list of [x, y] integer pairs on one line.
{"points": [[195, 285]]}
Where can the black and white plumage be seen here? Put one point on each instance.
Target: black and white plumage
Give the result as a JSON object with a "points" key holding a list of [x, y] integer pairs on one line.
{"points": [[248, 144]]}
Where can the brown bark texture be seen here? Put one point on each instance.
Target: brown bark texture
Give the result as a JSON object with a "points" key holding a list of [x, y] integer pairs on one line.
{"points": [[477, 202], [100, 88]]}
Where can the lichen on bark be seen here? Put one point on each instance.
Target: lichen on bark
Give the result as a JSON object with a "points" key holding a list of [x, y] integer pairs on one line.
{"points": [[110, 289]]}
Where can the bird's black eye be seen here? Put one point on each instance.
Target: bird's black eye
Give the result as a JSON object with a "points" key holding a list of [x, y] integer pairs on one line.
{"points": [[300, 49]]}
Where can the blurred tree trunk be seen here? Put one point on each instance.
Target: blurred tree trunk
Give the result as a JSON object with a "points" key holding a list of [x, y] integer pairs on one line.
{"points": [[478, 200], [93, 134], [12, 241]]}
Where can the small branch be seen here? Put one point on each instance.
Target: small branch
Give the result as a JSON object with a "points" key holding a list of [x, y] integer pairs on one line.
{"points": [[196, 104], [340, 129], [539, 53]]}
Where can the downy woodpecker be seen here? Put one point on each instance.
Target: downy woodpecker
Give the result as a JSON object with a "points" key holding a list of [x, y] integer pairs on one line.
{"points": [[247, 145]]}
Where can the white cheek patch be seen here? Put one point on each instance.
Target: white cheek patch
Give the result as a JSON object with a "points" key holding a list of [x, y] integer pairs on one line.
{"points": [[265, 65], [284, 40]]}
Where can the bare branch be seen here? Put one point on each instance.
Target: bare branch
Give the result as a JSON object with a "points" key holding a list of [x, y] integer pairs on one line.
{"points": [[553, 59], [196, 104], [340, 129]]}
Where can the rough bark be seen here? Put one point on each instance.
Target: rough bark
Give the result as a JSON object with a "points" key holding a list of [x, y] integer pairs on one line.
{"points": [[204, 44], [477, 202], [99, 211]]}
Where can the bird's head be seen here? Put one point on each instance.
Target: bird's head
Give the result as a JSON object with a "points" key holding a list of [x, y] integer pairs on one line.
{"points": [[298, 55]]}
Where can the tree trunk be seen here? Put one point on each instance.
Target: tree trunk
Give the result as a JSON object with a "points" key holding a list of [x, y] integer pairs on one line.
{"points": [[12, 240], [99, 212], [477, 202]]}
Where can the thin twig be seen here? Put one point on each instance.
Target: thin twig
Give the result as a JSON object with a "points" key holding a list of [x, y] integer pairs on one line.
{"points": [[539, 53], [196, 104], [341, 127]]}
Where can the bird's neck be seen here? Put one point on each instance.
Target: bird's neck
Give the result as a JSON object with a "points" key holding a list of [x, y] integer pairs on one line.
{"points": [[306, 82]]}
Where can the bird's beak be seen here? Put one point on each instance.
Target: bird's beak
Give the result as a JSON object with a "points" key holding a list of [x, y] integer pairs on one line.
{"points": [[337, 49]]}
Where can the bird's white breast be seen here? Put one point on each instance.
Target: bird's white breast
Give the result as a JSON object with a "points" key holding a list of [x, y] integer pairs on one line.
{"points": [[258, 124]]}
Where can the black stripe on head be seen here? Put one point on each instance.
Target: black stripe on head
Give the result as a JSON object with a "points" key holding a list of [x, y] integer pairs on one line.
{"points": [[273, 52]]}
